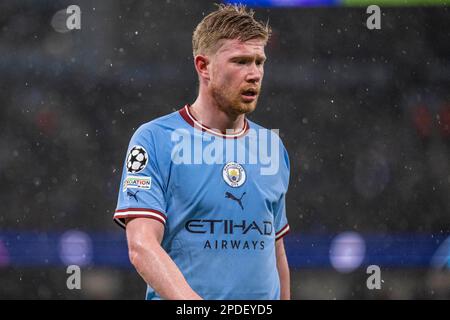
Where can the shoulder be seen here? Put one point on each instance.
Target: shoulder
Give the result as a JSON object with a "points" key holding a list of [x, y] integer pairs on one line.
{"points": [[272, 133], [273, 140]]}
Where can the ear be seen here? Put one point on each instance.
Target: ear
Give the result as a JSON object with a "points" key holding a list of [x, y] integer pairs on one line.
{"points": [[202, 63]]}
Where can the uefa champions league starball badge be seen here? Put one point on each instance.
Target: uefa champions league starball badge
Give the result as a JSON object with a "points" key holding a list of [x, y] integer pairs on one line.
{"points": [[137, 159], [234, 174]]}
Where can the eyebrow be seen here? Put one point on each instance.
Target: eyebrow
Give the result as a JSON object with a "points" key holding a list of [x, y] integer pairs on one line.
{"points": [[248, 57]]}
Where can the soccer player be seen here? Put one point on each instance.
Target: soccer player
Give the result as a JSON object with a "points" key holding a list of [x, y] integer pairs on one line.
{"points": [[203, 212]]}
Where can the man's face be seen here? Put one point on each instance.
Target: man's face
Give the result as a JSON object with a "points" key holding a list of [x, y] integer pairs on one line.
{"points": [[237, 70]]}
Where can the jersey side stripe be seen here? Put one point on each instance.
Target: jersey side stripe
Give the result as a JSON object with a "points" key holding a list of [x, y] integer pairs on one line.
{"points": [[284, 231], [141, 211], [120, 220]]}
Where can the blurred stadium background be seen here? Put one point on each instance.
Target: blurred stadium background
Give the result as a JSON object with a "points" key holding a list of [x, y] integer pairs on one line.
{"points": [[364, 114]]}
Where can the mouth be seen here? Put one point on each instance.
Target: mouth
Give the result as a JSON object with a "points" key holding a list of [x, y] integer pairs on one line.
{"points": [[249, 95]]}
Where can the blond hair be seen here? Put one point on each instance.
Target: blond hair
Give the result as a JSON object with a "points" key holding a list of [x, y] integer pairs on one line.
{"points": [[227, 22]]}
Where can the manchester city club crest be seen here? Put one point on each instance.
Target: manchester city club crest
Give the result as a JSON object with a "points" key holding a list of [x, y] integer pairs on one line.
{"points": [[234, 174]]}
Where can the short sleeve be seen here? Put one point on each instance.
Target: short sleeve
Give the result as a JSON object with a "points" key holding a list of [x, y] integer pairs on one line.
{"points": [[142, 189], [281, 222]]}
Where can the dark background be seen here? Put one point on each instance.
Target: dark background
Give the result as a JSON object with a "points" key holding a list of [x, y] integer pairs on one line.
{"points": [[364, 114]]}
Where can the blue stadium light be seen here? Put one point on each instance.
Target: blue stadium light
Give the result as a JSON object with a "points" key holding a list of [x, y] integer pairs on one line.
{"points": [[30, 249], [75, 247], [347, 252], [441, 258], [4, 255]]}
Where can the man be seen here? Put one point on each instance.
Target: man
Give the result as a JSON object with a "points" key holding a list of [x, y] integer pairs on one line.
{"points": [[202, 220]]}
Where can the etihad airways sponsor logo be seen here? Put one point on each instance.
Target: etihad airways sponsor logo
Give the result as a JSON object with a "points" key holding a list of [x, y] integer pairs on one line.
{"points": [[234, 245], [242, 227]]}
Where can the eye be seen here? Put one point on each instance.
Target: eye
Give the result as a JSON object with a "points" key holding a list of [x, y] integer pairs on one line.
{"points": [[260, 62]]}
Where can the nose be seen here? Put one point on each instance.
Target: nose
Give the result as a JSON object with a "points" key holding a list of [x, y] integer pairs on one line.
{"points": [[255, 73]]}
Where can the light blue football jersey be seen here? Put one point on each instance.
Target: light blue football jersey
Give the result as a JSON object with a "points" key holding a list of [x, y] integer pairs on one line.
{"points": [[220, 197]]}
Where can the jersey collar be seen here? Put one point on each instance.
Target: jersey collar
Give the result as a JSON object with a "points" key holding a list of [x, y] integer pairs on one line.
{"points": [[189, 118]]}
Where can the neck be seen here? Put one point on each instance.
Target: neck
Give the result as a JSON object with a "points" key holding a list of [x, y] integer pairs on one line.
{"points": [[207, 111]]}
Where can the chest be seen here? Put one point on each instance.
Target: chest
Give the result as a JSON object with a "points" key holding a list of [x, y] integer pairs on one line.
{"points": [[230, 187]]}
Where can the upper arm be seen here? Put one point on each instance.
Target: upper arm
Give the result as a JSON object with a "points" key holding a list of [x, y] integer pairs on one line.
{"points": [[279, 248], [281, 257], [283, 270], [143, 232]]}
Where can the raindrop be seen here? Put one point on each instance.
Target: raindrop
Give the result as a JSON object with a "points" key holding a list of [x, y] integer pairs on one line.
{"points": [[37, 181]]}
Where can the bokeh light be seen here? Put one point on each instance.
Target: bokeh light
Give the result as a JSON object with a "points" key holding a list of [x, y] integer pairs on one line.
{"points": [[347, 252], [75, 248]]}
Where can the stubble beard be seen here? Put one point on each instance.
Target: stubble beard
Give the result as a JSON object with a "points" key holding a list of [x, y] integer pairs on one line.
{"points": [[232, 104]]}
